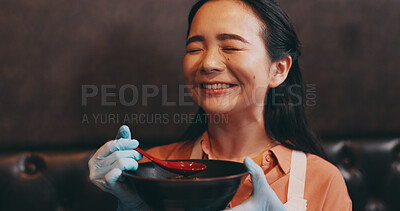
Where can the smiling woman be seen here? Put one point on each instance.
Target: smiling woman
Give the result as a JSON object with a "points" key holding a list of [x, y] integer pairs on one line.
{"points": [[226, 48], [242, 62]]}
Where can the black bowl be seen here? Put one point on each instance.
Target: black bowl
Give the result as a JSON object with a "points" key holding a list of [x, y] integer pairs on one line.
{"points": [[211, 189]]}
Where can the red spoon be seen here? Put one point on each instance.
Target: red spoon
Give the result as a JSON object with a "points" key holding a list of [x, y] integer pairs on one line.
{"points": [[185, 168]]}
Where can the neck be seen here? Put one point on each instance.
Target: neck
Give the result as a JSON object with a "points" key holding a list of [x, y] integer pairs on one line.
{"points": [[241, 135]]}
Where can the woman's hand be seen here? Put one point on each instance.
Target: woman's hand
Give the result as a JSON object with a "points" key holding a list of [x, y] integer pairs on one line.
{"points": [[263, 197], [107, 164]]}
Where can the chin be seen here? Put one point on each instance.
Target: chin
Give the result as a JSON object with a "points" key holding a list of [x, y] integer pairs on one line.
{"points": [[216, 109]]}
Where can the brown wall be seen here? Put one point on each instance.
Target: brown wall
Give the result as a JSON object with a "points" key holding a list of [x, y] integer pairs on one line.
{"points": [[351, 53], [49, 49]]}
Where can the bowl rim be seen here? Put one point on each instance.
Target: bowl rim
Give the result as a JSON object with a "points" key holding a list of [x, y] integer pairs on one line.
{"points": [[125, 173]]}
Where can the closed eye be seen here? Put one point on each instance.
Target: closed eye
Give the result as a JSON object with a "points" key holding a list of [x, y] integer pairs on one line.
{"points": [[231, 49], [193, 51]]}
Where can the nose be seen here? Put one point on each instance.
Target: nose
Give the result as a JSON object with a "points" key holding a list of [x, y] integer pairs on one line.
{"points": [[212, 61]]}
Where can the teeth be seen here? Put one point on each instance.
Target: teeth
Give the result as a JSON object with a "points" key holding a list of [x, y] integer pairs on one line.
{"points": [[216, 86]]}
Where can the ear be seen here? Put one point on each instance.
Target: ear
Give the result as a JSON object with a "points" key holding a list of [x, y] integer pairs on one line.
{"points": [[280, 70]]}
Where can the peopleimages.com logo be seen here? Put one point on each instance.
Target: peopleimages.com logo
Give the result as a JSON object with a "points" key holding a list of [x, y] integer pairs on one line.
{"points": [[129, 95]]}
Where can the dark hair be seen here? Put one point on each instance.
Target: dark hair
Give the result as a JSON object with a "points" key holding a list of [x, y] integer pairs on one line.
{"points": [[284, 115]]}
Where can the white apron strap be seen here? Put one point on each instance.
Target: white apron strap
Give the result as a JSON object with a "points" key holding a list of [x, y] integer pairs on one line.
{"points": [[297, 178]]}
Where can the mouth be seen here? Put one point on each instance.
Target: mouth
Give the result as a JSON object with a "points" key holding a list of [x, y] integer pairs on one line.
{"points": [[217, 87]]}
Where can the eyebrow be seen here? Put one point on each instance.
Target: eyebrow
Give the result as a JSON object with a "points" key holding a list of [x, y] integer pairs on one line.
{"points": [[221, 37], [231, 37], [196, 38]]}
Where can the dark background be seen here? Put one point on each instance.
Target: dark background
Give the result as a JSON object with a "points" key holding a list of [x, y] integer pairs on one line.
{"points": [[49, 49]]}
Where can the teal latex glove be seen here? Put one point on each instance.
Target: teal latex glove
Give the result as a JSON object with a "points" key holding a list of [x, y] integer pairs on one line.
{"points": [[263, 197], [107, 164]]}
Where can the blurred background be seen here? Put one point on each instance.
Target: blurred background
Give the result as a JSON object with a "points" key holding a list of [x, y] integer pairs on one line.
{"points": [[54, 55]]}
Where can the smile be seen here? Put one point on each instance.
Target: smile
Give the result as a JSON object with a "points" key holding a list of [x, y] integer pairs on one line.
{"points": [[216, 86]]}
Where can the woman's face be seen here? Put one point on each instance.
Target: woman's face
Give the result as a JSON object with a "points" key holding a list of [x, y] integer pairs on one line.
{"points": [[226, 65]]}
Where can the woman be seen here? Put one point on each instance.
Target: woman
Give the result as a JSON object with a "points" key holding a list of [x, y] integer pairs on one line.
{"points": [[242, 61]]}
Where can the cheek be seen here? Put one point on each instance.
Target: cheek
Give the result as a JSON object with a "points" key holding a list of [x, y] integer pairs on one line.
{"points": [[259, 71], [250, 70]]}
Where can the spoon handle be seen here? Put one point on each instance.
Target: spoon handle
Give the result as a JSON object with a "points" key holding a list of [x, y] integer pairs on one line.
{"points": [[156, 160]]}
